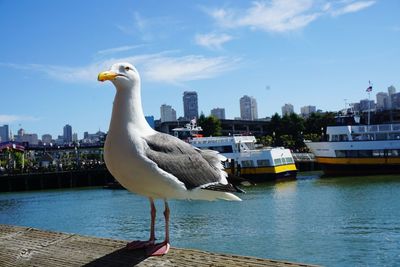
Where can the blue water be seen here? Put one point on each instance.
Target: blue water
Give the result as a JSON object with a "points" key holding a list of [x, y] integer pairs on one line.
{"points": [[332, 222]]}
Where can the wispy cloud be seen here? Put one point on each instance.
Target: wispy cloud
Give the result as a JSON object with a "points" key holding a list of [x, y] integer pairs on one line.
{"points": [[119, 49], [283, 15], [212, 40], [6, 118], [352, 7], [159, 67]]}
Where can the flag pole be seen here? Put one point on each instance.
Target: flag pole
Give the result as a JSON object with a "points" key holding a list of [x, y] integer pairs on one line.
{"points": [[369, 102]]}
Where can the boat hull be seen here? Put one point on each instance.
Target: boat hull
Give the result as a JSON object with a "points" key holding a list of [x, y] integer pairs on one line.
{"points": [[359, 166], [266, 174]]}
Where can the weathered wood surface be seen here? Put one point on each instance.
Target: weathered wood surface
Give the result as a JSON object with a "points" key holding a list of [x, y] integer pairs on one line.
{"points": [[23, 246]]}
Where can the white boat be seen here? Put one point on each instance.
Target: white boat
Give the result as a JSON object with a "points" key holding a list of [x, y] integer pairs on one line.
{"points": [[247, 161], [359, 150]]}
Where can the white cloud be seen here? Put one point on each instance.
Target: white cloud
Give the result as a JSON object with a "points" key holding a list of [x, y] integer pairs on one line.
{"points": [[212, 40], [352, 7], [159, 67], [283, 15], [117, 49], [6, 119]]}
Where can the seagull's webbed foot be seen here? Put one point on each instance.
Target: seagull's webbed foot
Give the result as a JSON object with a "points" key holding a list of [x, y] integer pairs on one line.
{"points": [[137, 244], [158, 249]]}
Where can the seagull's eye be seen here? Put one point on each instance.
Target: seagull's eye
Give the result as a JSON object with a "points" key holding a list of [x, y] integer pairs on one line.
{"points": [[127, 68]]}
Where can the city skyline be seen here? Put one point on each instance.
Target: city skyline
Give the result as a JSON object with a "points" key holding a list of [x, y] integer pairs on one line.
{"points": [[304, 52]]}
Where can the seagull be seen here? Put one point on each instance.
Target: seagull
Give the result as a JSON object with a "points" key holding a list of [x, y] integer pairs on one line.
{"points": [[154, 164]]}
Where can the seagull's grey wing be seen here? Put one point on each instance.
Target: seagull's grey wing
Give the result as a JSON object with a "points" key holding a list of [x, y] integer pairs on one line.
{"points": [[185, 162]]}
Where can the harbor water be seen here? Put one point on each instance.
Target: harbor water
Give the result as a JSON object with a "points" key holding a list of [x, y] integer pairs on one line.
{"points": [[347, 221]]}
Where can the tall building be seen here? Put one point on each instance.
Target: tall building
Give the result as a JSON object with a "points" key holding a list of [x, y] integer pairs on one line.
{"points": [[167, 113], [287, 109], [248, 108], [391, 91], [67, 134], [150, 121], [382, 101], [307, 110], [190, 105], [4, 133], [395, 98], [218, 113], [366, 104]]}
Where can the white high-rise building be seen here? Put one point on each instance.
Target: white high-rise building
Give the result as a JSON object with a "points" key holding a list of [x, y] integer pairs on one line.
{"points": [[307, 110], [167, 113], [248, 108], [218, 113], [287, 109]]}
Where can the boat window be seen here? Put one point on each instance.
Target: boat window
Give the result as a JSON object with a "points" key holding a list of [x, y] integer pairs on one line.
{"points": [[396, 127], [278, 161], [384, 127], [340, 153], [394, 152], [381, 136], [378, 153], [289, 160], [352, 153], [263, 162], [394, 136], [373, 128], [356, 137], [365, 153], [222, 149], [247, 163]]}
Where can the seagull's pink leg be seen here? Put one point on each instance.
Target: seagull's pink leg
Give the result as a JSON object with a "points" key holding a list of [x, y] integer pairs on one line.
{"points": [[162, 248], [137, 244]]}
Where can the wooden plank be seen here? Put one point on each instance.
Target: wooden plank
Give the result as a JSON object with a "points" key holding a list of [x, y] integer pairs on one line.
{"points": [[23, 246]]}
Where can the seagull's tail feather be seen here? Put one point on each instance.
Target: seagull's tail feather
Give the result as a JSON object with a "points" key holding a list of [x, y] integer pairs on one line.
{"points": [[206, 194]]}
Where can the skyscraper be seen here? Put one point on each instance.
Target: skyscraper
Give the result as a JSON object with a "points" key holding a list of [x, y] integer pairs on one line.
{"points": [[307, 110], [287, 109], [190, 105], [382, 101], [167, 113], [4, 133], [218, 113], [67, 134], [248, 108]]}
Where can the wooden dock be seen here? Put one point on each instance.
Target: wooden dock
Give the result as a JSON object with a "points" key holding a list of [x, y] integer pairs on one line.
{"points": [[23, 246]]}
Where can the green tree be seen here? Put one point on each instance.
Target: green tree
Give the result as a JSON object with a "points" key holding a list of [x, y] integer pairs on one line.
{"points": [[211, 125]]}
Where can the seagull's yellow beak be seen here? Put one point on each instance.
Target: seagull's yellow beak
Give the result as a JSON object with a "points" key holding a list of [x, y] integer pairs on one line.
{"points": [[106, 75]]}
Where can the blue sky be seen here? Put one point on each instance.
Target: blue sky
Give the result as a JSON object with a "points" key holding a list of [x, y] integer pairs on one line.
{"points": [[303, 52]]}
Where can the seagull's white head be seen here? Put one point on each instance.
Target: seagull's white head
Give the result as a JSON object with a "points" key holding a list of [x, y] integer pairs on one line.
{"points": [[122, 75]]}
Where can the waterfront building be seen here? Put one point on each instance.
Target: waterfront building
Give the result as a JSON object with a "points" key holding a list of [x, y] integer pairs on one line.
{"points": [[190, 105], [306, 111], [287, 109], [67, 134], [75, 137], [248, 108], [382, 101], [93, 138], [395, 98], [23, 137], [218, 113], [366, 104], [167, 113], [4, 133], [47, 139]]}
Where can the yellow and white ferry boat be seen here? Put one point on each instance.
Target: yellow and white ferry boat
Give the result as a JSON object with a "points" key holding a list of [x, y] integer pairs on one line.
{"points": [[359, 150], [248, 161]]}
